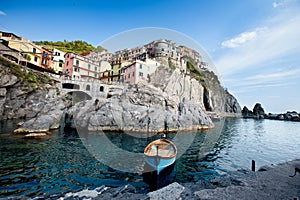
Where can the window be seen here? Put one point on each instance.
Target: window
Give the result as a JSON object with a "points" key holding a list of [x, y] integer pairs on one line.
{"points": [[133, 74], [44, 62], [89, 66], [95, 75], [128, 75], [67, 63], [101, 88], [60, 65], [88, 87], [162, 49], [77, 63], [34, 50], [141, 66], [112, 67], [141, 74], [76, 69], [35, 59], [95, 69]]}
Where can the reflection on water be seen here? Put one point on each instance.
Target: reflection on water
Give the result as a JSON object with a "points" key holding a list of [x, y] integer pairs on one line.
{"points": [[66, 162]]}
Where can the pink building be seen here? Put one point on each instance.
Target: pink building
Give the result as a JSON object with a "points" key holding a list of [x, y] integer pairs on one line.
{"points": [[79, 67], [139, 71]]}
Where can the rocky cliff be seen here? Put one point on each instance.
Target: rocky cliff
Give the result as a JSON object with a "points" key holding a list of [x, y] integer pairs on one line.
{"points": [[25, 94], [201, 88], [140, 108], [182, 101]]}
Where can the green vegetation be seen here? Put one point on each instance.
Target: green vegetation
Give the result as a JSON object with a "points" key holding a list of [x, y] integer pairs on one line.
{"points": [[99, 49], [76, 46], [27, 57], [171, 64], [205, 78], [27, 76], [195, 73]]}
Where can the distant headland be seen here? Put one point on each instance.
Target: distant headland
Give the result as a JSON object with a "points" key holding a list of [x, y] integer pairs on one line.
{"points": [[259, 113]]}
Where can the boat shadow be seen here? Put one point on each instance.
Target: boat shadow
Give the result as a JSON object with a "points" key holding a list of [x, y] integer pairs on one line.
{"points": [[157, 181]]}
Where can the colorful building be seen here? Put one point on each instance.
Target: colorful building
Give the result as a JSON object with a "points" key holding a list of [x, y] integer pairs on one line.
{"points": [[36, 55], [116, 72], [105, 69], [139, 71], [188, 52], [58, 61], [46, 59], [79, 67]]}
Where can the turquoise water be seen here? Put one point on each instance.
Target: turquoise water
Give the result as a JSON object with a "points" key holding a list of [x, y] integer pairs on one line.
{"points": [[64, 162]]}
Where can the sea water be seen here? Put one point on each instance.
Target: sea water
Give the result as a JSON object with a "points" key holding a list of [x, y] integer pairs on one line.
{"points": [[62, 162]]}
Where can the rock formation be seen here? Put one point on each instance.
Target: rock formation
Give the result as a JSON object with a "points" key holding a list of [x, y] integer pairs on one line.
{"points": [[22, 97], [206, 92], [180, 102], [258, 112], [141, 108]]}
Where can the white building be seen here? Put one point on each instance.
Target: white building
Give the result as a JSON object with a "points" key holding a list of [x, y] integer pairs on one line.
{"points": [[58, 60]]}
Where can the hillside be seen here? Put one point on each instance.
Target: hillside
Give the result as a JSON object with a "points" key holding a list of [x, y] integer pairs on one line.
{"points": [[76, 46]]}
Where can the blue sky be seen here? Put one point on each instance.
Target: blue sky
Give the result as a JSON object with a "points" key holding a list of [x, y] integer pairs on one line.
{"points": [[254, 44]]}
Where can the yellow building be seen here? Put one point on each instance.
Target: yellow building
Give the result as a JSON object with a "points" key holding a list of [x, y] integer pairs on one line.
{"points": [[33, 52], [104, 74]]}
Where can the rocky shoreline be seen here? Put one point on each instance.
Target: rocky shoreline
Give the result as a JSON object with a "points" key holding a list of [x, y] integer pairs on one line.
{"points": [[269, 182], [259, 113], [180, 103]]}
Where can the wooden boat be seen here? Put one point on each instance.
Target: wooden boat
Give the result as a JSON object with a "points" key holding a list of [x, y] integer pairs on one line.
{"points": [[160, 154]]}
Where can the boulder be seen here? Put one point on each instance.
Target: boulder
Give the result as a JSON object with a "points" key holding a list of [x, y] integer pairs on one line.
{"points": [[141, 108], [258, 111], [7, 79], [41, 124], [170, 192]]}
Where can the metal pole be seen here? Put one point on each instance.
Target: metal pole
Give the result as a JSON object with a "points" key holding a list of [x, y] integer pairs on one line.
{"points": [[253, 165]]}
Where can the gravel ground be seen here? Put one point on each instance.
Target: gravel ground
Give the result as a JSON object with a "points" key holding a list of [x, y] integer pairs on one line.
{"points": [[269, 182]]}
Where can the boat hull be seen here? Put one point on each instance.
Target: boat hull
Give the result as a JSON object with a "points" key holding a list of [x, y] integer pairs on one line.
{"points": [[159, 163], [160, 154]]}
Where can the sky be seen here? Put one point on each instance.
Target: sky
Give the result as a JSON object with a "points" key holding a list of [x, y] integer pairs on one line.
{"points": [[254, 44]]}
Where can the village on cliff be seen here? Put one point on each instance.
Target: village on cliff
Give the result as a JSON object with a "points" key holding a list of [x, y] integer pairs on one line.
{"points": [[129, 65]]}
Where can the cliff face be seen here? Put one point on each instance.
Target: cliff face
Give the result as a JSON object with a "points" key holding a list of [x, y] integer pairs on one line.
{"points": [[204, 90], [177, 98], [30, 95], [179, 102], [141, 108]]}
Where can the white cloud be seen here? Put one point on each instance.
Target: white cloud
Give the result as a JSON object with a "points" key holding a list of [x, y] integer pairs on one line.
{"points": [[282, 3], [279, 40], [265, 80], [276, 76], [276, 4], [239, 40], [2, 13]]}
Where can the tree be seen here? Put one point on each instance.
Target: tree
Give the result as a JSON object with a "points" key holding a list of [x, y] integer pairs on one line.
{"points": [[99, 49], [27, 57]]}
